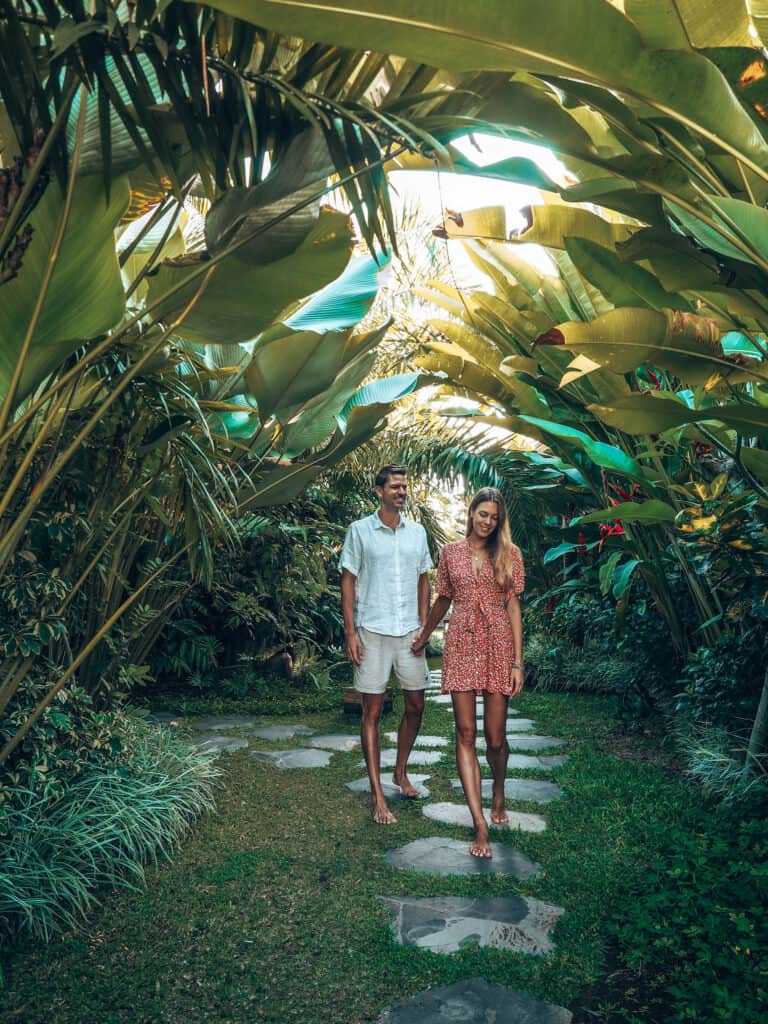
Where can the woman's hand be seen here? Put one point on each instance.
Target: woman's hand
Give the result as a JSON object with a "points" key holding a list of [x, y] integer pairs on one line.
{"points": [[418, 644], [516, 679]]}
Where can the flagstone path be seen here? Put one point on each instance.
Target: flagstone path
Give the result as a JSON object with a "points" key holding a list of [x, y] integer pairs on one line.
{"points": [[518, 925]]}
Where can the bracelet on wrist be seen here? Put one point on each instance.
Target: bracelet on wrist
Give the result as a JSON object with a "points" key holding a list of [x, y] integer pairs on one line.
{"points": [[518, 664]]}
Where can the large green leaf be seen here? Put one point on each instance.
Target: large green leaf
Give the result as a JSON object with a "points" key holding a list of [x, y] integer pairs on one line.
{"points": [[686, 24], [241, 299], [85, 297], [552, 224], [345, 301], [642, 414], [647, 512], [607, 456], [624, 339], [750, 221], [586, 40], [623, 284], [293, 368]]}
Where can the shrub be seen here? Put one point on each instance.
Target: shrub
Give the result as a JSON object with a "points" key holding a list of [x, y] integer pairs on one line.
{"points": [[100, 829], [697, 931], [722, 683]]}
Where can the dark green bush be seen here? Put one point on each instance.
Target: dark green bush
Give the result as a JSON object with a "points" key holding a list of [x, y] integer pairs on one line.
{"points": [[697, 931], [721, 684]]}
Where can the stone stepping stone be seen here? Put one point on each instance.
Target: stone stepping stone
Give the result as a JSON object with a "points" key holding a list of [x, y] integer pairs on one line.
{"points": [[473, 1001], [221, 744], [534, 742], [228, 722], [518, 789], [299, 757], [545, 764], [335, 741], [441, 698], [281, 732], [389, 757], [421, 741], [438, 856], [445, 924], [163, 718], [458, 814], [391, 790]]}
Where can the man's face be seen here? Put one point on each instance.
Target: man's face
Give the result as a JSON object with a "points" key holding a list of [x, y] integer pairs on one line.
{"points": [[394, 492]]}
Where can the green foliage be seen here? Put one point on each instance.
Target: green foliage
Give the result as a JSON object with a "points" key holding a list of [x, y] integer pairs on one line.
{"points": [[98, 829], [695, 928], [721, 684]]}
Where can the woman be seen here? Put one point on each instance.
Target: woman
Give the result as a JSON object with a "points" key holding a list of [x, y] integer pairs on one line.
{"points": [[483, 575]]}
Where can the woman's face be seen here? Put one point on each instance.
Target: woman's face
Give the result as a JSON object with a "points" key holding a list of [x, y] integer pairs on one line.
{"points": [[485, 518]]}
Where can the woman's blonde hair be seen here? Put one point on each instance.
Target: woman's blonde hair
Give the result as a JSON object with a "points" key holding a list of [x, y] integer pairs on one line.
{"points": [[500, 546]]}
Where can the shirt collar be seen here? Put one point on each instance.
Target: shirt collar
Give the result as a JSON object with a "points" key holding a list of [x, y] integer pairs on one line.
{"points": [[378, 525]]}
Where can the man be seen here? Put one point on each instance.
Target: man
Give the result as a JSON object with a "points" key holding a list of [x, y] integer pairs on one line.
{"points": [[385, 601]]}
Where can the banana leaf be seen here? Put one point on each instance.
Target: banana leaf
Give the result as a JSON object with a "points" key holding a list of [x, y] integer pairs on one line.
{"points": [[644, 414], [575, 39], [241, 299], [85, 296]]}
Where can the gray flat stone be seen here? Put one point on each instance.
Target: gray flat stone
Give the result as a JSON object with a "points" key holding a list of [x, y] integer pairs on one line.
{"points": [[544, 764], [222, 722], [518, 789], [297, 758], [391, 790], [458, 814], [519, 724], [437, 856], [445, 924], [441, 698], [221, 744], [421, 741], [389, 757], [281, 732], [473, 1001], [163, 718], [335, 741], [534, 742]]}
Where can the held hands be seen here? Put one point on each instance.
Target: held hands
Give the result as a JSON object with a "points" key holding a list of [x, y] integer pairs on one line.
{"points": [[354, 648], [517, 678], [418, 644]]}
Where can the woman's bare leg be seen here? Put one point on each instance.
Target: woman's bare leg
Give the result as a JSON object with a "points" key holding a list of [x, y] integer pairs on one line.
{"points": [[496, 750], [469, 768]]}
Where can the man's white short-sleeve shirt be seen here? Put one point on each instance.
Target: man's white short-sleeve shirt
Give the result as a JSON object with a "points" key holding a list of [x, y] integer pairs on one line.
{"points": [[387, 564]]}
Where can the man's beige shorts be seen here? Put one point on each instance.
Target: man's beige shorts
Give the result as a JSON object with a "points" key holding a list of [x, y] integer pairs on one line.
{"points": [[383, 653]]}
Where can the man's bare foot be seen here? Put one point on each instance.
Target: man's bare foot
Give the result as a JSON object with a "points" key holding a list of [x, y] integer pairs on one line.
{"points": [[406, 786], [499, 814], [481, 847], [382, 814]]}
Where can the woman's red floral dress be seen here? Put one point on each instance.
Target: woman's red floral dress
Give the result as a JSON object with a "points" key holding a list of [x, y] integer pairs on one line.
{"points": [[479, 647]]}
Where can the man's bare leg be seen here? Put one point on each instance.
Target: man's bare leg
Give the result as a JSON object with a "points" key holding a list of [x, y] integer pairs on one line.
{"points": [[371, 742], [407, 732], [497, 751], [469, 768]]}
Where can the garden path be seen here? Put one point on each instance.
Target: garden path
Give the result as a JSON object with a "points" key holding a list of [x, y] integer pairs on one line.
{"points": [[443, 924]]}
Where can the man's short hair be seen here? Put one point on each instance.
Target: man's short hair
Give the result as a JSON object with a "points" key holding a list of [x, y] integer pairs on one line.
{"points": [[387, 471]]}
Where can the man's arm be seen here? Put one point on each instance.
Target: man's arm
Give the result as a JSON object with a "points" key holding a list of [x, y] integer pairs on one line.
{"points": [[354, 647]]}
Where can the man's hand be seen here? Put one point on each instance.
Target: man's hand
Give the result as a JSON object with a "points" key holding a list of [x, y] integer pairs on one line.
{"points": [[354, 649], [516, 678]]}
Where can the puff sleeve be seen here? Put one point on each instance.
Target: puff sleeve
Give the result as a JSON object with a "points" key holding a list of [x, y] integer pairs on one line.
{"points": [[444, 584]]}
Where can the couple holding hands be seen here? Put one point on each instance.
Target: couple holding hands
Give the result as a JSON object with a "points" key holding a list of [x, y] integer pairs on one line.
{"points": [[385, 596]]}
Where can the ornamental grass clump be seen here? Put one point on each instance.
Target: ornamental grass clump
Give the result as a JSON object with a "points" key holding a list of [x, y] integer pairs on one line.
{"points": [[102, 830]]}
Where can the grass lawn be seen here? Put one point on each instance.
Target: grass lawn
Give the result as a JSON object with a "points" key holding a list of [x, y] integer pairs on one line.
{"points": [[269, 912]]}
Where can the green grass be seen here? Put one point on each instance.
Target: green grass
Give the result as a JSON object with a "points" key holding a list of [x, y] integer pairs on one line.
{"points": [[269, 913]]}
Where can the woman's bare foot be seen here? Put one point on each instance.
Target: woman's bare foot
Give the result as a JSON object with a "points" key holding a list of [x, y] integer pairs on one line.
{"points": [[406, 786], [481, 847], [382, 814]]}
